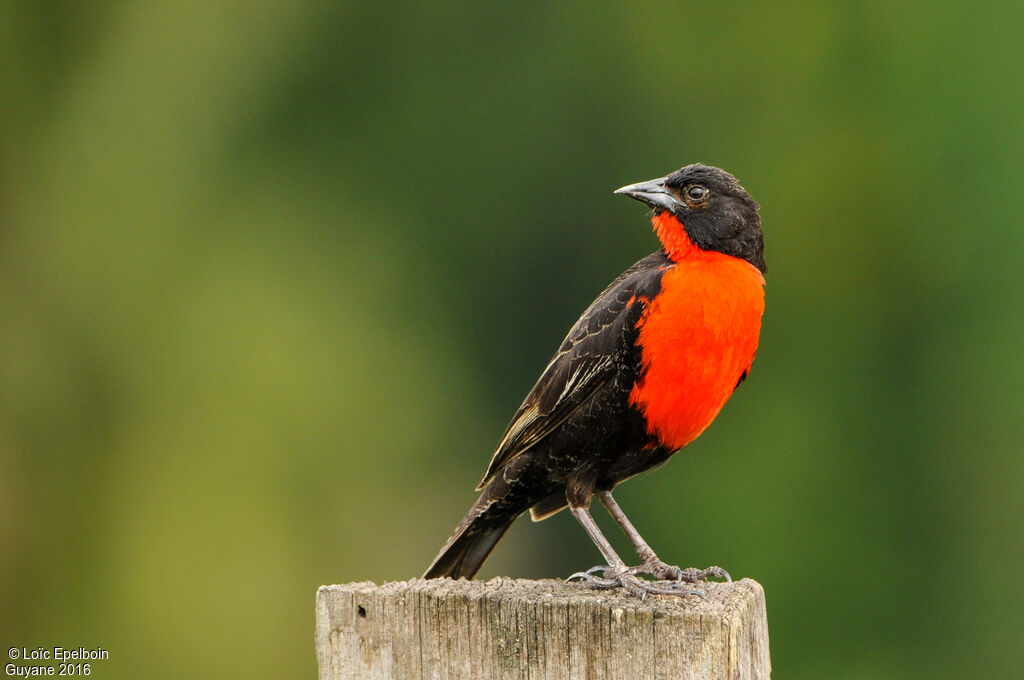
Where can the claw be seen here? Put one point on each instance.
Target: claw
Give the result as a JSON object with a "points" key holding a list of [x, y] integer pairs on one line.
{"points": [[588, 577], [590, 574], [716, 572]]}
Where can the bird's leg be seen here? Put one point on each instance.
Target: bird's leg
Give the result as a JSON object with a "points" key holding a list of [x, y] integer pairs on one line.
{"points": [[616, 573], [651, 563]]}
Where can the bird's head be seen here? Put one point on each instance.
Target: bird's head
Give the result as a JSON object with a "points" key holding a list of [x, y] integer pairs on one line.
{"points": [[706, 207]]}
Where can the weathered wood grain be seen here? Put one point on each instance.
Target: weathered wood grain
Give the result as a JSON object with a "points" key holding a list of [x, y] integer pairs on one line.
{"points": [[538, 630]]}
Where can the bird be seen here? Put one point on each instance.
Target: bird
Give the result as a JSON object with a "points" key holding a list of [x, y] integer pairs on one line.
{"points": [[640, 375]]}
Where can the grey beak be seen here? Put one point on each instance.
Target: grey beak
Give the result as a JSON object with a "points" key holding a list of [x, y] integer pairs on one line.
{"points": [[652, 192]]}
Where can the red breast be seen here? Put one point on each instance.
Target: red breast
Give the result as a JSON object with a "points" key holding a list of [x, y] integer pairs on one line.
{"points": [[698, 336]]}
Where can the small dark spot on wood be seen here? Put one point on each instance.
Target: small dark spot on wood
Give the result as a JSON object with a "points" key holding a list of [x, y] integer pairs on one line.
{"points": [[361, 611]]}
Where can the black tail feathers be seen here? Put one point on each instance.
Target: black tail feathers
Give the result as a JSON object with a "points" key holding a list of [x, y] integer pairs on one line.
{"points": [[468, 547], [504, 499]]}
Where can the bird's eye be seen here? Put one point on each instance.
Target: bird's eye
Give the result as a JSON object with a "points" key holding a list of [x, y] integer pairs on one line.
{"points": [[696, 193]]}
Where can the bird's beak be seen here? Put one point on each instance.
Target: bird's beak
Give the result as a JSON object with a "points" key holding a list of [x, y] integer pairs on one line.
{"points": [[654, 193]]}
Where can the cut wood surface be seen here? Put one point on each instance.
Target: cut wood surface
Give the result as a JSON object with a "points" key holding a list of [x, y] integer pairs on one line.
{"points": [[507, 628]]}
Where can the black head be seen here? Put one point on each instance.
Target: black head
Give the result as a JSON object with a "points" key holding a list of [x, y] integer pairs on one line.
{"points": [[716, 212]]}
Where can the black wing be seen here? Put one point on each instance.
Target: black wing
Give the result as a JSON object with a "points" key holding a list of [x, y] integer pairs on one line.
{"points": [[599, 345]]}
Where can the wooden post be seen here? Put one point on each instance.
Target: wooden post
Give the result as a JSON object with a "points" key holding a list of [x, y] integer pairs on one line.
{"points": [[538, 630]]}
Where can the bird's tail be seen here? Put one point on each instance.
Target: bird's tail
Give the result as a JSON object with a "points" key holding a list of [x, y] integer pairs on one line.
{"points": [[481, 529], [466, 550]]}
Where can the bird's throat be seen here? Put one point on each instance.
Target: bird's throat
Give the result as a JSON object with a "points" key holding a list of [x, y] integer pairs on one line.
{"points": [[673, 237]]}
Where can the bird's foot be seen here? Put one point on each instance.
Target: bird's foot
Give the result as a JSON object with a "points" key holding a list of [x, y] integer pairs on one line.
{"points": [[627, 578], [660, 570]]}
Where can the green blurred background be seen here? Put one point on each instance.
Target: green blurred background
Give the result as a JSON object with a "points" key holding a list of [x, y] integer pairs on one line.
{"points": [[274, 276]]}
